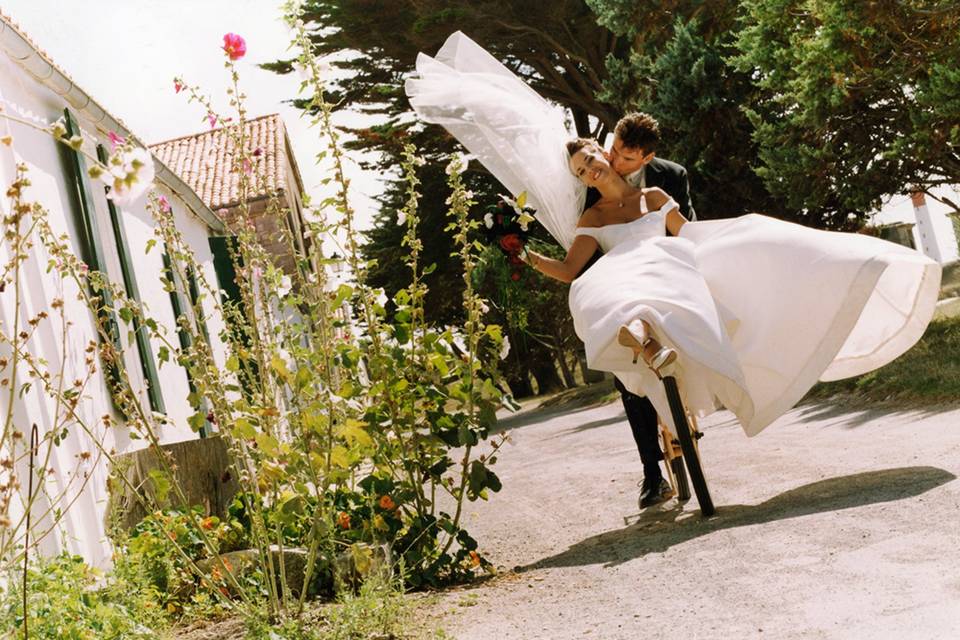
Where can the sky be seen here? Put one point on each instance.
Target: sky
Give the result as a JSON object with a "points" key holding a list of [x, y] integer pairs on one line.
{"points": [[125, 54]]}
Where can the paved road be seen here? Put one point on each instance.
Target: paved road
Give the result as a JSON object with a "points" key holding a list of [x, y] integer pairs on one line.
{"points": [[831, 524]]}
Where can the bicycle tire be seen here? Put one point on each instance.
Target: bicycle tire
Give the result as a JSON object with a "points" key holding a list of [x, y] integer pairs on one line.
{"points": [[688, 447], [680, 475]]}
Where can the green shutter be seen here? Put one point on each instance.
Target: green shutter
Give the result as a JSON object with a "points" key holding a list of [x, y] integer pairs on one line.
{"points": [[223, 249], [186, 341], [91, 252], [147, 363]]}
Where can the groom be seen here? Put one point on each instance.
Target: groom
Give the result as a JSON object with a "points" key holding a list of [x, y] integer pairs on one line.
{"points": [[633, 156]]}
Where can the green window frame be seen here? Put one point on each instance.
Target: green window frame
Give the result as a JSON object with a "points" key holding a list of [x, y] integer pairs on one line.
{"points": [[91, 252], [148, 364], [179, 311], [224, 248]]}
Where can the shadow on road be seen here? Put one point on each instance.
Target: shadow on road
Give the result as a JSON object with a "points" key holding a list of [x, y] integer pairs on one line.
{"points": [[662, 530], [853, 417]]}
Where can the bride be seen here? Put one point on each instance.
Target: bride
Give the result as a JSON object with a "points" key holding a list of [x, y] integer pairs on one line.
{"points": [[749, 312]]}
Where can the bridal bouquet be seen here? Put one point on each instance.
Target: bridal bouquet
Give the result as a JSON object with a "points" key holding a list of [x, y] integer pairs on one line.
{"points": [[506, 225]]}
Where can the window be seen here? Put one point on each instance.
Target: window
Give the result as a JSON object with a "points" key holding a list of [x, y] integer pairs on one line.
{"points": [[91, 252], [147, 363]]}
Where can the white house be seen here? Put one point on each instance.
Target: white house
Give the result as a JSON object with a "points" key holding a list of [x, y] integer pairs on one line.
{"points": [[934, 226], [108, 239]]}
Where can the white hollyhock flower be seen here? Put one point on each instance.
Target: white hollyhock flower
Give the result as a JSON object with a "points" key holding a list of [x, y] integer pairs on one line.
{"points": [[488, 220], [285, 285], [129, 174], [402, 218], [505, 348], [381, 297], [484, 307], [458, 161]]}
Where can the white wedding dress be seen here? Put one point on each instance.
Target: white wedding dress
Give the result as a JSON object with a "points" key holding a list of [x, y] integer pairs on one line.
{"points": [[758, 309]]}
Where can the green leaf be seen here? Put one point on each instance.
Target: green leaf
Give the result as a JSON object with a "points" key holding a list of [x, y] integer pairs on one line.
{"points": [[161, 484], [267, 444], [243, 428], [280, 366], [344, 291], [340, 457], [353, 431]]}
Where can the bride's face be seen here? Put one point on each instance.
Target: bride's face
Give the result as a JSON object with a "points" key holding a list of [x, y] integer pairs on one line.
{"points": [[590, 165]]}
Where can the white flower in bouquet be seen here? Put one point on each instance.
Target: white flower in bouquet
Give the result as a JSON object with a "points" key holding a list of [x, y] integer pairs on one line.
{"points": [[505, 348], [488, 220], [519, 205]]}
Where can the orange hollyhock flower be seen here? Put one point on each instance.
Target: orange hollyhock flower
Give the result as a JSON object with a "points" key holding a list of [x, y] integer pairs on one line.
{"points": [[475, 558], [343, 520], [207, 523], [386, 502]]}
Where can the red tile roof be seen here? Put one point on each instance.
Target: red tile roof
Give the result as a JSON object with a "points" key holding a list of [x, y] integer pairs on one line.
{"points": [[203, 161]]}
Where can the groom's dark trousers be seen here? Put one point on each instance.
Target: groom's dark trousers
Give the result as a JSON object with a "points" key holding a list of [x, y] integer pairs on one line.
{"points": [[672, 178]]}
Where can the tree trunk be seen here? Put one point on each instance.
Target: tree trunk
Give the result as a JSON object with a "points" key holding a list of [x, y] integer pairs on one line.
{"points": [[590, 376], [202, 468], [545, 373], [519, 383], [568, 378]]}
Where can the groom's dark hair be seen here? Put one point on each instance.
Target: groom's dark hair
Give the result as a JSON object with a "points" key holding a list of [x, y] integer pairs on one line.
{"points": [[638, 131]]}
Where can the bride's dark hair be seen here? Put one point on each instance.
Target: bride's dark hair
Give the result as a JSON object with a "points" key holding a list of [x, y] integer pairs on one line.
{"points": [[579, 143]]}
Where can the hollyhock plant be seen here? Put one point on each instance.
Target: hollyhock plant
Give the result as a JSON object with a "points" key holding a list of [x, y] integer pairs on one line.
{"points": [[234, 46], [129, 174]]}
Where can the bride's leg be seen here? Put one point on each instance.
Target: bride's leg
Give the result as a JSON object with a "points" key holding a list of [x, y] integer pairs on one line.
{"points": [[639, 338]]}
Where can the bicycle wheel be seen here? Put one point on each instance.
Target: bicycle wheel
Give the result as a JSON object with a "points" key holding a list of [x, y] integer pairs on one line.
{"points": [[688, 446], [680, 476]]}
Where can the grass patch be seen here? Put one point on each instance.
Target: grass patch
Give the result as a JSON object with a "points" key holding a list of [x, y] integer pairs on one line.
{"points": [[929, 373]]}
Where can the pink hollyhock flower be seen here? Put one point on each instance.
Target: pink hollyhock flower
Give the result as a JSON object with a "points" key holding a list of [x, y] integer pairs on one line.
{"points": [[235, 46], [247, 166], [212, 119], [164, 204], [177, 86], [116, 140]]}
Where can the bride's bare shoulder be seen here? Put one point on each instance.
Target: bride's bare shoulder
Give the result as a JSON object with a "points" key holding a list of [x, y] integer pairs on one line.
{"points": [[589, 218], [656, 197]]}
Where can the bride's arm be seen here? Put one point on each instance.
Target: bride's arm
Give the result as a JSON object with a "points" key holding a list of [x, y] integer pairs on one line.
{"points": [[565, 270]]}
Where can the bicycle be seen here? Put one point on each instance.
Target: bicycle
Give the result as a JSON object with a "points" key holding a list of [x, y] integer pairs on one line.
{"points": [[683, 449]]}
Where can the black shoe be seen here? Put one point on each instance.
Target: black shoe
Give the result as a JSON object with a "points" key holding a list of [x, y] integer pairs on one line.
{"points": [[654, 492]]}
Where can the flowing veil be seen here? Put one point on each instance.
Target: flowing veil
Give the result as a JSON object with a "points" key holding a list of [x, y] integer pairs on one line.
{"points": [[517, 135]]}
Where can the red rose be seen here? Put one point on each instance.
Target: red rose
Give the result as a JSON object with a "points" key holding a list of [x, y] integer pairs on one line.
{"points": [[515, 276], [511, 243]]}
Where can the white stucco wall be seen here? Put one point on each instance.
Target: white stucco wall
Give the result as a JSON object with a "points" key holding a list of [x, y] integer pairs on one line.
{"points": [[82, 530]]}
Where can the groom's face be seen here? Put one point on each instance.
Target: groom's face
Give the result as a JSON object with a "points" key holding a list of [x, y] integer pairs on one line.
{"points": [[625, 160]]}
